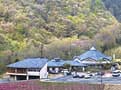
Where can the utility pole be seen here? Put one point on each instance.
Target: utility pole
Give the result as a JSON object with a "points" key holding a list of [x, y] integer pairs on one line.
{"points": [[101, 73], [42, 49]]}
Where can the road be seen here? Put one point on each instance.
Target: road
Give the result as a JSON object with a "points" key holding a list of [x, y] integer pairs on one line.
{"points": [[92, 80]]}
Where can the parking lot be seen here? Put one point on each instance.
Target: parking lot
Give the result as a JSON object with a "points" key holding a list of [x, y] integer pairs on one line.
{"points": [[92, 80]]}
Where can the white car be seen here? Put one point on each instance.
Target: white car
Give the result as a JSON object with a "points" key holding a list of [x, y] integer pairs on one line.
{"points": [[116, 73], [87, 76]]}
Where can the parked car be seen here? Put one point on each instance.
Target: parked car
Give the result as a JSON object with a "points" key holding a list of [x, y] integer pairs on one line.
{"points": [[90, 74], [116, 73], [81, 76], [87, 76], [78, 76], [68, 73], [100, 73]]}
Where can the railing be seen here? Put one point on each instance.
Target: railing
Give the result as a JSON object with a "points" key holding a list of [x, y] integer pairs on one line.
{"points": [[10, 73], [33, 73]]}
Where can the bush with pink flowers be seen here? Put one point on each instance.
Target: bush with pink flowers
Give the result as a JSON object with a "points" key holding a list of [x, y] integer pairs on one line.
{"points": [[37, 85]]}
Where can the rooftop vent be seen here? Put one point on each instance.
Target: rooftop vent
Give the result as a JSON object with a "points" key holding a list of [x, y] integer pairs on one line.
{"points": [[92, 48], [57, 59]]}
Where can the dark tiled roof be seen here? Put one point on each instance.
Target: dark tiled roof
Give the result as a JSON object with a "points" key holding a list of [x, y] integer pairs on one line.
{"points": [[60, 63], [93, 54], [75, 63], [55, 63], [29, 63]]}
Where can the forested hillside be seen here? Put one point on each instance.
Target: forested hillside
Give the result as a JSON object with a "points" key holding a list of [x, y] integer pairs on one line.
{"points": [[57, 28], [114, 6]]}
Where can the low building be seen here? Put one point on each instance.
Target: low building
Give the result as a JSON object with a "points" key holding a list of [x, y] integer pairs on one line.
{"points": [[76, 65], [57, 65], [93, 57], [31, 68]]}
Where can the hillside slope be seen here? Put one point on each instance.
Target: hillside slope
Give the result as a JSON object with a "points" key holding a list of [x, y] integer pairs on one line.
{"points": [[114, 6], [39, 28]]}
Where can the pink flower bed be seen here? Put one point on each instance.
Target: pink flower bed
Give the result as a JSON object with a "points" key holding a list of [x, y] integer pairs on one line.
{"points": [[36, 85]]}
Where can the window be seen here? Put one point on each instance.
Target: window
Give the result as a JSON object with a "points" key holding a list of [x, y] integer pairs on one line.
{"points": [[34, 70]]}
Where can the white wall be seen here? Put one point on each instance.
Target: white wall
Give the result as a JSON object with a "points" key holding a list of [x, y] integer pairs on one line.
{"points": [[43, 72]]}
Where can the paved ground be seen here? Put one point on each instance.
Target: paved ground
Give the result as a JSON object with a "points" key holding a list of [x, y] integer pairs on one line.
{"points": [[4, 81], [92, 80]]}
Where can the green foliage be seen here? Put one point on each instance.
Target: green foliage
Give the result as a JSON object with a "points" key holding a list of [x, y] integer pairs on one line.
{"points": [[46, 28], [107, 66], [116, 51], [2, 68], [66, 66], [114, 7], [63, 48]]}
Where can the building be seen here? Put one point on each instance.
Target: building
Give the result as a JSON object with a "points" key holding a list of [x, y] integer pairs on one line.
{"points": [[38, 68], [31, 68], [57, 65], [76, 65], [93, 57]]}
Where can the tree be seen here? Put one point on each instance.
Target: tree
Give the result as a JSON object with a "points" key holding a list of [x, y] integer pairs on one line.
{"points": [[106, 38], [67, 66]]}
